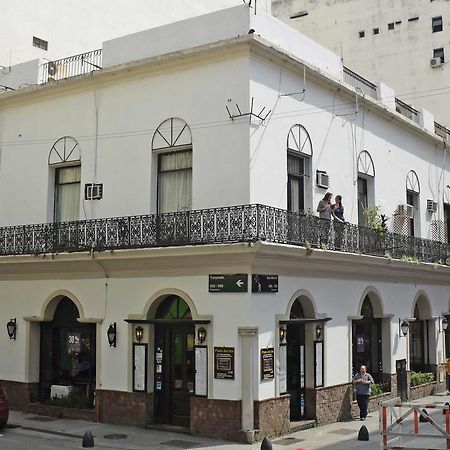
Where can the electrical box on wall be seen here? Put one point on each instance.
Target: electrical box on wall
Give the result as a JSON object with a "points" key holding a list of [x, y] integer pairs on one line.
{"points": [[322, 179], [93, 191]]}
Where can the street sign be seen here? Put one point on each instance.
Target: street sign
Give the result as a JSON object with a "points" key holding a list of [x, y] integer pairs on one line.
{"points": [[264, 283], [228, 283]]}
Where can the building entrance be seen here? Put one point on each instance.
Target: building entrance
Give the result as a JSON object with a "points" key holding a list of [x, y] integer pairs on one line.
{"points": [[67, 360], [174, 362]]}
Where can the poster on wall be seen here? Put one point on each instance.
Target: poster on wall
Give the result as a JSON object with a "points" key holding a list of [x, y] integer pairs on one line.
{"points": [[139, 367], [73, 343], [318, 357], [224, 363], [283, 372], [201, 371], [267, 364]]}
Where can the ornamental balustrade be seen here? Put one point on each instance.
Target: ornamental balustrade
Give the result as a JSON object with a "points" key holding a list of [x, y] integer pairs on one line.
{"points": [[247, 223]]}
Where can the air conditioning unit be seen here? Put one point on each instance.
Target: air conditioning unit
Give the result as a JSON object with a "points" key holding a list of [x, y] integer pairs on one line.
{"points": [[406, 210], [93, 191], [322, 179], [435, 62], [431, 206]]}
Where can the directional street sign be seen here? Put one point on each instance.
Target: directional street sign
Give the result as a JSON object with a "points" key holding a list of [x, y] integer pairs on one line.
{"points": [[228, 283], [264, 283]]}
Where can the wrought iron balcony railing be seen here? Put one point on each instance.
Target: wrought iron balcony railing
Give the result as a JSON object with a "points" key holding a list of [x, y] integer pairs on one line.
{"points": [[407, 110], [357, 81], [247, 223], [72, 66]]}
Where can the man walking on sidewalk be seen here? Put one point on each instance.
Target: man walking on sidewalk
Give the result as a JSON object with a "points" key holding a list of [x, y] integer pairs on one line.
{"points": [[362, 381]]}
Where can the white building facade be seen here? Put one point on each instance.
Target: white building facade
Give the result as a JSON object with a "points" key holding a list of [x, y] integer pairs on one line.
{"points": [[404, 45], [161, 258]]}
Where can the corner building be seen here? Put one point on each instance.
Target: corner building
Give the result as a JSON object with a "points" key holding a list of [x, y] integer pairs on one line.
{"points": [[161, 261]]}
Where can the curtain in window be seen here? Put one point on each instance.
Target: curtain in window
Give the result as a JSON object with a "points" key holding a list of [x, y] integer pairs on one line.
{"points": [[67, 194], [175, 182], [295, 169]]}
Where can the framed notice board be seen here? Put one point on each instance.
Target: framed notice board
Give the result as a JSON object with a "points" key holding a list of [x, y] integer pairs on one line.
{"points": [[224, 363], [267, 364], [201, 371], [139, 367]]}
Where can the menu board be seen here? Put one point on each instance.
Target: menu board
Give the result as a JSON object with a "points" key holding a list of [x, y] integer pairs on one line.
{"points": [[224, 363], [139, 367], [201, 371], [267, 364], [283, 371], [318, 357]]}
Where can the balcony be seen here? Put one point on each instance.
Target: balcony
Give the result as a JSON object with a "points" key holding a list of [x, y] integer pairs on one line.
{"points": [[358, 82], [72, 66], [248, 223], [407, 110]]}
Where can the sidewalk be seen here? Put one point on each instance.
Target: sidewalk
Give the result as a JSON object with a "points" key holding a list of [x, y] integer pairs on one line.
{"points": [[336, 436]]}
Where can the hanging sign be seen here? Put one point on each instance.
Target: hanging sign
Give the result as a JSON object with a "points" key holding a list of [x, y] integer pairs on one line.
{"points": [[228, 283], [264, 283], [267, 364], [224, 363]]}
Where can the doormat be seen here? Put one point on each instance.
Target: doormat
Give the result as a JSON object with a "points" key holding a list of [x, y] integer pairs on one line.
{"points": [[176, 443], [342, 431], [42, 419], [287, 441]]}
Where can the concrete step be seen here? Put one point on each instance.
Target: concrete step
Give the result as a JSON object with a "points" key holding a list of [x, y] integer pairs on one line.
{"points": [[300, 425]]}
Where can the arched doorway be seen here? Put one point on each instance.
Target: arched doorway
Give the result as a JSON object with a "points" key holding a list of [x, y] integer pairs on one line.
{"points": [[67, 357], [366, 341], [419, 332], [304, 357], [174, 361]]}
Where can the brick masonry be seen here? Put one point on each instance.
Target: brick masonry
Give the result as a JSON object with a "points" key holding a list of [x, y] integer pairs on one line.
{"points": [[129, 408], [20, 394], [333, 404], [217, 418], [272, 417]]}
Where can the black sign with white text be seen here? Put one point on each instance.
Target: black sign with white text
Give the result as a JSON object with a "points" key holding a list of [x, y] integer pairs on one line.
{"points": [[264, 283], [228, 283]]}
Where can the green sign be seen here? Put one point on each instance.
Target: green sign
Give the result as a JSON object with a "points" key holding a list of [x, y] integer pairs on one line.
{"points": [[228, 283]]}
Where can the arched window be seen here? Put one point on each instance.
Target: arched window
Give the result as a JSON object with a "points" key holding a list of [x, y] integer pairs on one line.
{"points": [[172, 143], [366, 308], [299, 153], [297, 310], [65, 160], [412, 198], [173, 307], [366, 175]]}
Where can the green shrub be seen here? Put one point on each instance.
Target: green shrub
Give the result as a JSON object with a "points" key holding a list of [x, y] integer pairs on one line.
{"points": [[418, 378], [376, 389]]}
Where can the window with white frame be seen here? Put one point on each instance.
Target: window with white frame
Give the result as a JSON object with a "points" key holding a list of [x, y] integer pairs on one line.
{"points": [[172, 143], [299, 154], [366, 189], [65, 163]]}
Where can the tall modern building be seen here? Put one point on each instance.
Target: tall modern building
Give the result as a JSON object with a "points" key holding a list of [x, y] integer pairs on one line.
{"points": [[403, 44]]}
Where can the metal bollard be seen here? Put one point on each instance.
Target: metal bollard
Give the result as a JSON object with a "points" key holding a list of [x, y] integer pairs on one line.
{"points": [[363, 434], [423, 419], [266, 444], [88, 439]]}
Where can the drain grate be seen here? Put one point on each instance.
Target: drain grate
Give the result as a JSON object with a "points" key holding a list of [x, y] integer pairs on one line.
{"points": [[288, 441], [42, 419], [115, 436], [176, 443]]}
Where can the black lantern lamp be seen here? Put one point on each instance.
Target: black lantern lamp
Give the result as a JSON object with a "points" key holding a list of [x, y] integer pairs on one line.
{"points": [[282, 335], [11, 326], [318, 332], [112, 334], [403, 327], [139, 333], [201, 335]]}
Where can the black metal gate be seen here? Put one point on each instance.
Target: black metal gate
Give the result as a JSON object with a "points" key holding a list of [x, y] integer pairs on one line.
{"points": [[402, 379]]}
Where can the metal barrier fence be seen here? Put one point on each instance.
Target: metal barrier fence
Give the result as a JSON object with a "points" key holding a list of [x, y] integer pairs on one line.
{"points": [[397, 426]]}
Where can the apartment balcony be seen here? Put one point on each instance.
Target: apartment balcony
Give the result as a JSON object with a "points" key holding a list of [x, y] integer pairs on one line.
{"points": [[247, 223], [72, 66]]}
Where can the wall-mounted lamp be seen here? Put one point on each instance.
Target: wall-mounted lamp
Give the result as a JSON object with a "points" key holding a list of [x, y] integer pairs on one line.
{"points": [[201, 335], [403, 327], [112, 334], [282, 333], [318, 332], [11, 326], [139, 333]]}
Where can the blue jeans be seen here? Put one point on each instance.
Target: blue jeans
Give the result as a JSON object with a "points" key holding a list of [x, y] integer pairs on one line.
{"points": [[363, 403]]}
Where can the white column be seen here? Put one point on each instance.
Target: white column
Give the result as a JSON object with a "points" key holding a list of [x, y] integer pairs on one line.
{"points": [[247, 335]]}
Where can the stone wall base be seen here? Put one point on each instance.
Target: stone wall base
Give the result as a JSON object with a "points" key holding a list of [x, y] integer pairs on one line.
{"points": [[272, 417], [128, 408], [61, 412], [20, 394], [333, 403]]}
